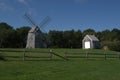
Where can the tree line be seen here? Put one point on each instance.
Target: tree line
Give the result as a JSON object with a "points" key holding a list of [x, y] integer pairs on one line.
{"points": [[16, 38]]}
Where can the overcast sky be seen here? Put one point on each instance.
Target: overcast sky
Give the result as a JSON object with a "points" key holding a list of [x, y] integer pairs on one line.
{"points": [[65, 14]]}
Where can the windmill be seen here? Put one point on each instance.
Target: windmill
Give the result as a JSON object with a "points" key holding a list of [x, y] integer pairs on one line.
{"points": [[35, 38]]}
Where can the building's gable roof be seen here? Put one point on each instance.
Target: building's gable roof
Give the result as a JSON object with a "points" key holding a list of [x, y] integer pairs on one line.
{"points": [[92, 37]]}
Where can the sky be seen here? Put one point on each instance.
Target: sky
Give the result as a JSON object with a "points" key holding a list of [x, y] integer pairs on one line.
{"points": [[65, 14]]}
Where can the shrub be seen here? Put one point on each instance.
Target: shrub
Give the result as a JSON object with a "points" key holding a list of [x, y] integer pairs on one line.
{"points": [[1, 57], [115, 45]]}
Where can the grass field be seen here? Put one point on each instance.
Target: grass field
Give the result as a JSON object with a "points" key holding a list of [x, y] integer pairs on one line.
{"points": [[58, 69]]}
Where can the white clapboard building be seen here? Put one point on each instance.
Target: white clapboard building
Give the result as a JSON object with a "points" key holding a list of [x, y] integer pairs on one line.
{"points": [[90, 42]]}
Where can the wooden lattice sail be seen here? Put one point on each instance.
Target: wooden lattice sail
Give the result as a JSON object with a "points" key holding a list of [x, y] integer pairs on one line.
{"points": [[35, 38]]}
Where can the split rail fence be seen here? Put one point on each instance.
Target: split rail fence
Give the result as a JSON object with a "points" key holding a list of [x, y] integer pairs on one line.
{"points": [[69, 55], [25, 54], [37, 54], [29, 54]]}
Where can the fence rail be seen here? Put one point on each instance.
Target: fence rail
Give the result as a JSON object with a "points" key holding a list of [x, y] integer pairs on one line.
{"points": [[27, 54], [24, 54], [90, 55]]}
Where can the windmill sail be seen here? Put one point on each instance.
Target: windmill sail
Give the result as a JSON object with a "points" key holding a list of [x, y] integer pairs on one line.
{"points": [[35, 36]]}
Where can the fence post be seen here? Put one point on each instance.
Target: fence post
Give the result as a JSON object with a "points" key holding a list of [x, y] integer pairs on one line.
{"points": [[86, 54], [119, 56], [24, 55], [105, 56], [51, 51], [65, 54]]}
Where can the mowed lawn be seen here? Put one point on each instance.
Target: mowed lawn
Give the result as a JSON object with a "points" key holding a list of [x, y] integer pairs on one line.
{"points": [[58, 69]]}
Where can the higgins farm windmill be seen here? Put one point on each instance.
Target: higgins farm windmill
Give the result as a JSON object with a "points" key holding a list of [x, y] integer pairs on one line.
{"points": [[35, 38]]}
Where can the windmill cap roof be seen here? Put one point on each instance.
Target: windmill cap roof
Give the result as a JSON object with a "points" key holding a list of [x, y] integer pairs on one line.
{"points": [[33, 29]]}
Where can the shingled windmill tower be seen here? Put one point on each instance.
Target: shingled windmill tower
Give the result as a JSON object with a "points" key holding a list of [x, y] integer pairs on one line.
{"points": [[35, 38]]}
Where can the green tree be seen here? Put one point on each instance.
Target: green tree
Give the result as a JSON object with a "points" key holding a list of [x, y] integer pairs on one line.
{"points": [[21, 36], [78, 39], [6, 35], [72, 39], [55, 38], [89, 32], [105, 35], [115, 35], [68, 37]]}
